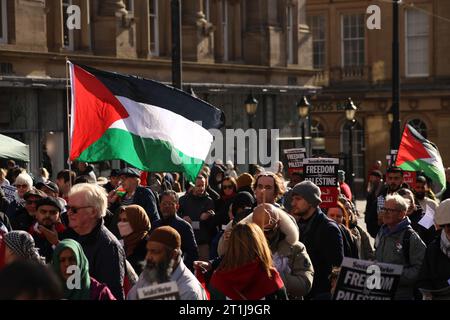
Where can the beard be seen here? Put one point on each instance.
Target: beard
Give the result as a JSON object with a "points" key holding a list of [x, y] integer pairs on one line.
{"points": [[47, 223], [393, 187], [420, 195], [158, 272]]}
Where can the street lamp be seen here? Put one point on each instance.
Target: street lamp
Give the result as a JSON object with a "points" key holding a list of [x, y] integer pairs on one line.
{"points": [[350, 112], [303, 107], [251, 105]]}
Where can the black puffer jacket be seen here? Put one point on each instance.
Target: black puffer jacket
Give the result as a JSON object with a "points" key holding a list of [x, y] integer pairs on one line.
{"points": [[106, 258], [323, 241], [194, 206]]}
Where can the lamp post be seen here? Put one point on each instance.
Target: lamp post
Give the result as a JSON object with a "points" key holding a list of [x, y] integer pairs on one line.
{"points": [[177, 77], [350, 112], [303, 107], [395, 130], [251, 105]]}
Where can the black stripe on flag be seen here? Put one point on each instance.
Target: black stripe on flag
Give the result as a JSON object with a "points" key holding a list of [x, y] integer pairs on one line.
{"points": [[157, 94]]}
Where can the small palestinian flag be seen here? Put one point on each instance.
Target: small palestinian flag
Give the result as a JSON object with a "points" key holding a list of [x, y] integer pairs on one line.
{"points": [[418, 154], [145, 123]]}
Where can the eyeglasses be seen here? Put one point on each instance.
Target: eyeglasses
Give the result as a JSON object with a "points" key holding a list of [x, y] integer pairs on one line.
{"points": [[21, 186], [445, 225], [389, 210], [227, 186], [75, 209], [29, 202]]}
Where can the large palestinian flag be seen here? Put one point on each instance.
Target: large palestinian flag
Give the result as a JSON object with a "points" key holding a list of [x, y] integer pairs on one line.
{"points": [[418, 154], [147, 124]]}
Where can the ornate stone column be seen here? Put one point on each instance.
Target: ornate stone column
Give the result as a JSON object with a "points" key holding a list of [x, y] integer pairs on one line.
{"points": [[198, 38], [114, 30]]}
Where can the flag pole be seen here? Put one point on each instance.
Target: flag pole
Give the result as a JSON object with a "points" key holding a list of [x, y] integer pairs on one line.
{"points": [[68, 119]]}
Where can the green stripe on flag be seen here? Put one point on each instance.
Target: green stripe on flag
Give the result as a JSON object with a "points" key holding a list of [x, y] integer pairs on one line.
{"points": [[143, 153], [433, 172]]}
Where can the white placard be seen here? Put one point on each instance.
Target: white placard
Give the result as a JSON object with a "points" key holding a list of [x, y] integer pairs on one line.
{"points": [[162, 291], [196, 225], [427, 220]]}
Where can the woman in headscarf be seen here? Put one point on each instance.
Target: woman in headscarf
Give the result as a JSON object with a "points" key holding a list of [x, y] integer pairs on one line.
{"points": [[20, 245], [68, 253], [134, 226], [246, 271]]}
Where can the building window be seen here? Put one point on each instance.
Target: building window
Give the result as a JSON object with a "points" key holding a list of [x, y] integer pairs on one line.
{"points": [[416, 43], [154, 27], [353, 40], [225, 34], [206, 10], [290, 34], [317, 25], [68, 39], [420, 126], [317, 138], [129, 6], [357, 151], [3, 22]]}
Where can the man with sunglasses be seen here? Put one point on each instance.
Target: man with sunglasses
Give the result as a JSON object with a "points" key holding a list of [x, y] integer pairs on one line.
{"points": [[25, 216], [398, 243], [86, 209]]}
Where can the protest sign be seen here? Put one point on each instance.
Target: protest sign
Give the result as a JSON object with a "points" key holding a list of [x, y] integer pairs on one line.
{"points": [[295, 158], [10, 192], [409, 177], [367, 280], [162, 291], [323, 172]]}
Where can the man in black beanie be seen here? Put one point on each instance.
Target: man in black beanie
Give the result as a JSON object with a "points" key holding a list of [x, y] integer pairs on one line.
{"points": [[320, 235]]}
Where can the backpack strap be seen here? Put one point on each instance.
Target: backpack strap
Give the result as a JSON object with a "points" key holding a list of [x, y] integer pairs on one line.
{"points": [[406, 244]]}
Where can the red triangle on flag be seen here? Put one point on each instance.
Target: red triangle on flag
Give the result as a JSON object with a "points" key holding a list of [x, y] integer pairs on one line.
{"points": [[410, 148], [96, 109]]}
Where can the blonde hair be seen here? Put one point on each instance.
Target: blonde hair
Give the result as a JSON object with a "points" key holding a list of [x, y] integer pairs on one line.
{"points": [[44, 173], [2, 174], [24, 178], [247, 243], [94, 196], [278, 184]]}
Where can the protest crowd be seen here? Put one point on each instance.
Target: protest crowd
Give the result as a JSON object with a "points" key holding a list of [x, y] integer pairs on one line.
{"points": [[227, 235]]}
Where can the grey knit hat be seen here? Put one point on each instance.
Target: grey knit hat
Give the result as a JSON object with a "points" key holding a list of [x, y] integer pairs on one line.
{"points": [[308, 191], [22, 244]]}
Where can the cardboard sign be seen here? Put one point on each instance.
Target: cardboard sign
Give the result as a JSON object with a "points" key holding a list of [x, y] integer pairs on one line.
{"points": [[10, 192], [367, 280], [323, 172], [409, 177], [162, 291], [295, 159]]}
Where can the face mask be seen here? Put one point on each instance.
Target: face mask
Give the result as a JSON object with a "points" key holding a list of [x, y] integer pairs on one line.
{"points": [[124, 228]]}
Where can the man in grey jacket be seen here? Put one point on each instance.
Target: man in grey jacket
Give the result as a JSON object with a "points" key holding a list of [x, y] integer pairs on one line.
{"points": [[391, 247]]}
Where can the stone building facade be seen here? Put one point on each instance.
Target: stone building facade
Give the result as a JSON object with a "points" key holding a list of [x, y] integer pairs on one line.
{"points": [[230, 48]]}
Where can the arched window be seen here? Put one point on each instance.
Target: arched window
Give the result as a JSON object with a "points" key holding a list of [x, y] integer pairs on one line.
{"points": [[317, 138], [420, 126]]}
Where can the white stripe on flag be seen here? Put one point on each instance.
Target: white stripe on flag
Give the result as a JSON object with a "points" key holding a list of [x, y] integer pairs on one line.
{"points": [[148, 121]]}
